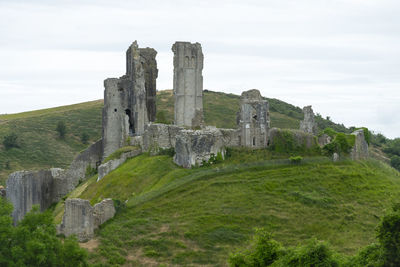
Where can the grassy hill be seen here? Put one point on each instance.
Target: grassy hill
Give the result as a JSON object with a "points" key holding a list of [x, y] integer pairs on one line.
{"points": [[198, 216], [40, 147]]}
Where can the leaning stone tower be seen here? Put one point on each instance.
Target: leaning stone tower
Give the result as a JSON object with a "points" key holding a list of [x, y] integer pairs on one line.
{"points": [[188, 84]]}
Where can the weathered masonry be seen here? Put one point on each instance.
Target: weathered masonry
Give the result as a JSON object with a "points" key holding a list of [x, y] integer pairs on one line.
{"points": [[188, 84], [130, 101], [253, 120]]}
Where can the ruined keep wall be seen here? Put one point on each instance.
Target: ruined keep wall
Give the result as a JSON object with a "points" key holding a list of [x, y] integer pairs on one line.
{"points": [[28, 188], [308, 124], [130, 101], [188, 84], [253, 119]]}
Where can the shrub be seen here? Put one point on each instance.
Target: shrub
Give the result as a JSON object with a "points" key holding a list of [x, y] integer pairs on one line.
{"points": [[84, 138], [167, 151], [389, 238], [314, 253], [395, 162], [10, 141], [61, 129], [8, 165], [263, 251], [295, 159], [90, 171]]}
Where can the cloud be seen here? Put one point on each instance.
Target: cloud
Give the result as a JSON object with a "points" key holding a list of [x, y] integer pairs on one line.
{"points": [[341, 56]]}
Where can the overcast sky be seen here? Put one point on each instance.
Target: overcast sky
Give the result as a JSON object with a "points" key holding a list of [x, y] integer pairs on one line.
{"points": [[340, 56]]}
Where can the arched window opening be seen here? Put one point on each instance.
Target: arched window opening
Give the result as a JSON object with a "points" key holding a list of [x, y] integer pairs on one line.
{"points": [[130, 119]]}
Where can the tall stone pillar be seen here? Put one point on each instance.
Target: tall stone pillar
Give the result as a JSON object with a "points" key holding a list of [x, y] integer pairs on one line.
{"points": [[188, 84], [308, 124], [130, 101], [253, 120]]}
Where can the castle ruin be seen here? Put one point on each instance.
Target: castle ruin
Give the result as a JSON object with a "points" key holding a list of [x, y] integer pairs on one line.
{"points": [[130, 101], [188, 84], [129, 113]]}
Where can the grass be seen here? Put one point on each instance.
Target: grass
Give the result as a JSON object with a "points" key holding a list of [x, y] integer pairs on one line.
{"points": [[40, 147], [198, 216]]}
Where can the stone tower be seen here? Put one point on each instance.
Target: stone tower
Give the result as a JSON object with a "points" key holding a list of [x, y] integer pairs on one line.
{"points": [[253, 119], [308, 124], [129, 101], [188, 84]]}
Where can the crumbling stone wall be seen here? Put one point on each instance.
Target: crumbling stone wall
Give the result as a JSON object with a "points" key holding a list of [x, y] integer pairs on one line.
{"points": [[285, 140], [28, 188], [308, 124], [188, 84], [253, 119], [360, 148], [194, 147], [130, 101], [111, 165], [160, 136], [81, 219]]}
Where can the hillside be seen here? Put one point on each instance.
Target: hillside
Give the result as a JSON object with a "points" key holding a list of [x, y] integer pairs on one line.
{"points": [[40, 147], [198, 216]]}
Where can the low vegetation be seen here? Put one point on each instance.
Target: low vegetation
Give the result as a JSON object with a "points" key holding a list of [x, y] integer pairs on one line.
{"points": [[33, 242], [199, 216]]}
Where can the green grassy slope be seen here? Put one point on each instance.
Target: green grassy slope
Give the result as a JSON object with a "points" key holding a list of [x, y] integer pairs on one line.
{"points": [[40, 146], [198, 216]]}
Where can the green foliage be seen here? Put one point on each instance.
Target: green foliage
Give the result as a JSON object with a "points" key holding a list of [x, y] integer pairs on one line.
{"points": [[197, 216], [313, 253], [367, 134], [389, 238], [263, 251], [395, 162], [61, 129], [117, 153], [378, 139], [214, 159], [166, 151], [8, 165], [10, 141], [296, 159], [90, 171], [161, 117], [40, 147], [393, 147], [329, 131], [84, 138], [341, 143], [34, 243]]}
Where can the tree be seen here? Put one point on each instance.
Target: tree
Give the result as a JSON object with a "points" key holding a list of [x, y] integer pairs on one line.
{"points": [[10, 141], [84, 138], [33, 242], [395, 162], [61, 129], [389, 237]]}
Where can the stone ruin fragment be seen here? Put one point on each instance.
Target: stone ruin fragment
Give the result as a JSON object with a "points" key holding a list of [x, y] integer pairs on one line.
{"points": [[253, 120], [188, 84], [308, 124], [360, 148], [129, 101], [81, 219]]}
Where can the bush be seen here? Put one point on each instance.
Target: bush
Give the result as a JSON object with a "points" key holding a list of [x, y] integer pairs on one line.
{"points": [[84, 138], [263, 251], [166, 151], [10, 141], [33, 242], [389, 238], [296, 159], [214, 159], [395, 162], [314, 253], [61, 129]]}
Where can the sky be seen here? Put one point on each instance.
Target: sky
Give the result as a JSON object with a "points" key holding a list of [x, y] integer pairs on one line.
{"points": [[340, 56]]}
